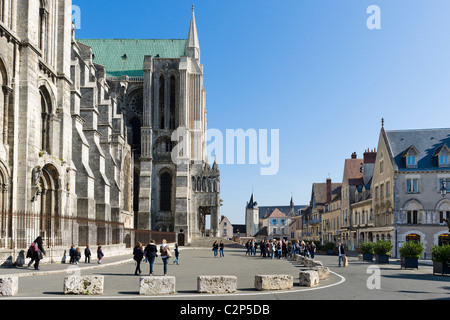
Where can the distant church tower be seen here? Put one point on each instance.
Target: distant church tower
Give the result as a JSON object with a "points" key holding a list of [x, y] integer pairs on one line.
{"points": [[252, 217], [291, 208]]}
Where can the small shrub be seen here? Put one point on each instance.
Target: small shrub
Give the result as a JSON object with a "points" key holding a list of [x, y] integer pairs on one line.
{"points": [[441, 253], [367, 247], [411, 249], [382, 247]]}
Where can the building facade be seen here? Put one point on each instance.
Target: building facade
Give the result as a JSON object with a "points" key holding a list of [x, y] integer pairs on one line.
{"points": [[89, 127], [410, 171], [226, 228]]}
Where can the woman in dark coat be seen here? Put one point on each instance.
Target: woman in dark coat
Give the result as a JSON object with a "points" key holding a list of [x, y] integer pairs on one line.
{"points": [[38, 254], [138, 255], [150, 252]]}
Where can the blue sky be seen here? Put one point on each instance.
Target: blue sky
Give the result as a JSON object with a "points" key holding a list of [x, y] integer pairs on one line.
{"points": [[311, 69]]}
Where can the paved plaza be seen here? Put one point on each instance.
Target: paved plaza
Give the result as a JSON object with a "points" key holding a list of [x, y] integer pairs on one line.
{"points": [[359, 280]]}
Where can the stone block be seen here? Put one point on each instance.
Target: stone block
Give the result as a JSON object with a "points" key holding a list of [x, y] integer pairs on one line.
{"points": [[216, 284], [309, 278], [309, 263], [274, 282], [158, 285], [87, 285], [317, 263], [323, 272], [9, 285]]}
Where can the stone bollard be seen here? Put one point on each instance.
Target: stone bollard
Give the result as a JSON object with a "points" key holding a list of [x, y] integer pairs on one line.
{"points": [[317, 263], [86, 285], [216, 284], [323, 272], [309, 278], [309, 263], [9, 285], [159, 285], [274, 282]]}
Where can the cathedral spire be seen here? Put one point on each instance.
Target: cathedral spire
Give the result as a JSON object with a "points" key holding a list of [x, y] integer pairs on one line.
{"points": [[192, 45]]}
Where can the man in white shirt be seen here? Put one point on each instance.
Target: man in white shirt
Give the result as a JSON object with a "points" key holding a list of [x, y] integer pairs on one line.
{"points": [[340, 252]]}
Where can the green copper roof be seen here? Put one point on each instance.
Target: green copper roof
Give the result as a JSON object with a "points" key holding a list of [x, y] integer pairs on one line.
{"points": [[110, 53]]}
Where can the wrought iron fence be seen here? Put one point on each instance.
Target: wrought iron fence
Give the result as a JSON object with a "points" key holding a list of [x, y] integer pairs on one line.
{"points": [[20, 229]]}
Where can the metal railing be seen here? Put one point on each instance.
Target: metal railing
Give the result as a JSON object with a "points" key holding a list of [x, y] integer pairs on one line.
{"points": [[20, 229]]}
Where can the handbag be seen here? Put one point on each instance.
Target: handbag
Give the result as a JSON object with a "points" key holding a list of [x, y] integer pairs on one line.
{"points": [[40, 255]]}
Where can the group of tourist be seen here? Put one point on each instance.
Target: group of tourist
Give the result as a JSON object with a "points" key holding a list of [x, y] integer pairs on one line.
{"points": [[280, 248], [36, 253], [149, 254], [75, 255], [218, 247]]}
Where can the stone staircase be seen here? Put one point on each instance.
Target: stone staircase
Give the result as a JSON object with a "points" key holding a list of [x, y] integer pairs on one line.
{"points": [[207, 242]]}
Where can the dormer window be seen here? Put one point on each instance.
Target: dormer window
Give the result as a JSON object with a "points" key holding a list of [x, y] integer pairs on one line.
{"points": [[442, 154], [443, 160], [411, 155], [411, 160]]}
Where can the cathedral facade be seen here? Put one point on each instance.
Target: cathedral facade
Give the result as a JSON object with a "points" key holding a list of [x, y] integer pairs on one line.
{"points": [[89, 135]]}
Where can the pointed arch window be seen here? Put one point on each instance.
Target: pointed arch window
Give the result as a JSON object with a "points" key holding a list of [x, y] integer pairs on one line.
{"points": [[172, 102], [46, 108], [2, 10], [135, 124], [43, 28], [162, 106], [165, 196]]}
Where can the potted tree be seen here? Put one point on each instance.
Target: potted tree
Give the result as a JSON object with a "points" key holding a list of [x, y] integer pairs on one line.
{"points": [[381, 250], [441, 259], [367, 250], [410, 253]]}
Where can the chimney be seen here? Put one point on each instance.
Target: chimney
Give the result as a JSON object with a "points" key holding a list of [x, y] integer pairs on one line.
{"points": [[370, 156], [328, 190], [354, 155]]}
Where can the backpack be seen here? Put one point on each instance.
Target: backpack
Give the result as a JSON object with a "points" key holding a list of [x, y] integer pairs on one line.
{"points": [[34, 247]]}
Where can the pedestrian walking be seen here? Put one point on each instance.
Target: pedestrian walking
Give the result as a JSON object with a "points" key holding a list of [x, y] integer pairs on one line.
{"points": [[221, 246], [138, 255], [313, 249], [307, 253], [302, 248], [263, 248], [253, 248], [247, 246], [87, 254], [37, 251], [215, 248], [284, 248], [279, 248], [150, 253], [165, 254], [72, 254], [77, 256], [30, 255], [272, 249], [177, 254], [340, 252], [100, 255]]}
